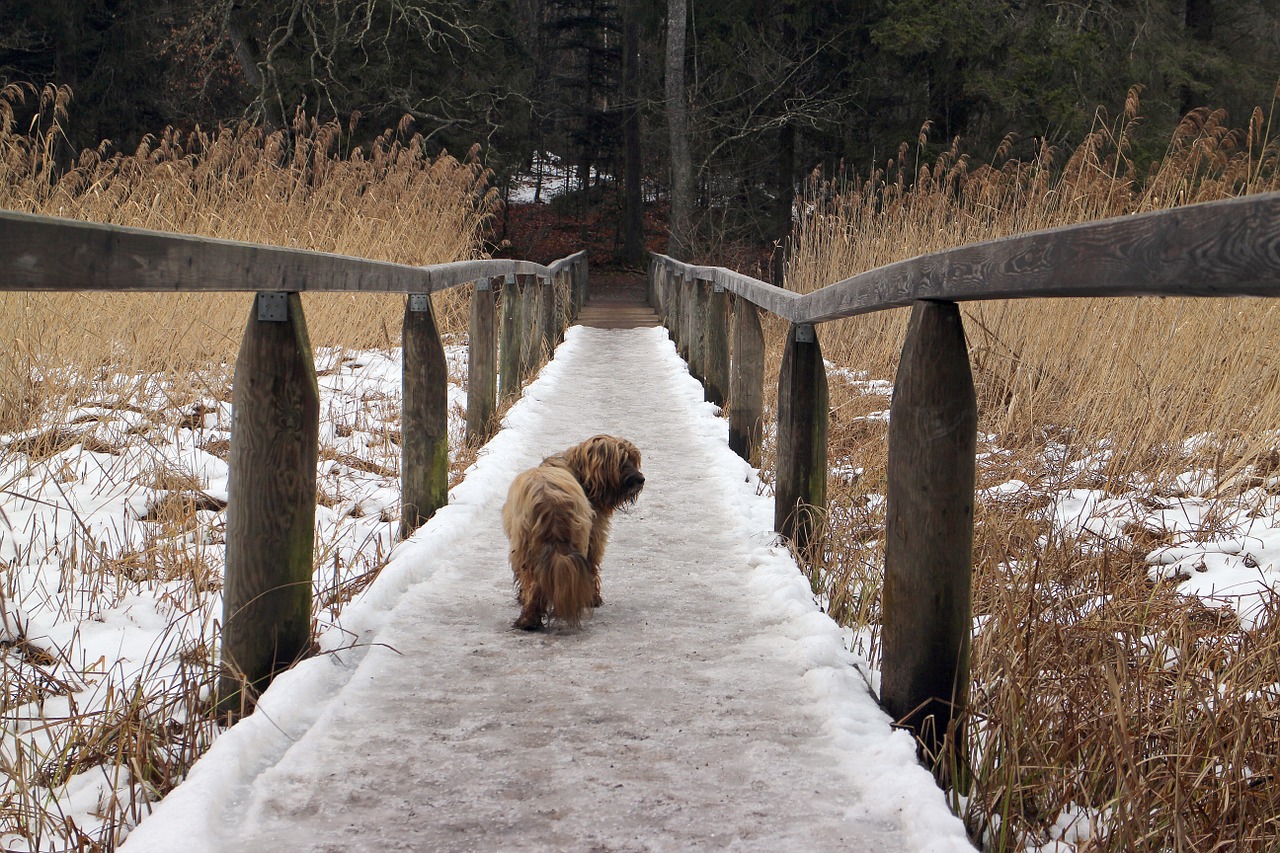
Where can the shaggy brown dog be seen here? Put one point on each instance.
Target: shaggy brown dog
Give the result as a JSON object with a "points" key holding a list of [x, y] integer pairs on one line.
{"points": [[557, 521]]}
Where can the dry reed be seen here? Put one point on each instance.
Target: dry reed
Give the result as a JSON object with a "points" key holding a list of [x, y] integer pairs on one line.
{"points": [[1098, 693], [139, 730]]}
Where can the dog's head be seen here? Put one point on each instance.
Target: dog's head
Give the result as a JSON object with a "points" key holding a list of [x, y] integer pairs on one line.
{"points": [[608, 469]]}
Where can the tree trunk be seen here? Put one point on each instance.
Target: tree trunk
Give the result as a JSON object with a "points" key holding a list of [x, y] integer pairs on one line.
{"points": [[678, 127], [785, 193], [633, 223]]}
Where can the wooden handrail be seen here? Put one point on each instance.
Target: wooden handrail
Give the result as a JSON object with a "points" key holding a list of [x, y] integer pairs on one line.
{"points": [[1223, 248], [266, 616], [1218, 248], [45, 253]]}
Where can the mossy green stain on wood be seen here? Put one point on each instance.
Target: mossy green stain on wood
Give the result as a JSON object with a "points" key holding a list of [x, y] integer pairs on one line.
{"points": [[424, 440], [271, 507]]}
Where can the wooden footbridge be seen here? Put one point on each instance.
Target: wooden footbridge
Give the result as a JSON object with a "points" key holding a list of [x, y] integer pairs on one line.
{"points": [[687, 713]]}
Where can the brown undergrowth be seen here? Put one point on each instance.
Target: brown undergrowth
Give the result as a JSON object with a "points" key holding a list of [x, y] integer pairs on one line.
{"points": [[126, 734], [1107, 710]]}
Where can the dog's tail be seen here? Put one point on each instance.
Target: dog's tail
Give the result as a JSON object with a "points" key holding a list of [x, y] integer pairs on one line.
{"points": [[567, 580]]}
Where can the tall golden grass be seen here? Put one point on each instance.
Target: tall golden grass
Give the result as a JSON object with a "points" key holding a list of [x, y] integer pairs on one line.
{"points": [[305, 188], [1093, 687]]}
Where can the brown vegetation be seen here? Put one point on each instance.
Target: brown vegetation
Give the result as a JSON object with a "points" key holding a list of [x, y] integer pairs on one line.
{"points": [[1094, 687]]}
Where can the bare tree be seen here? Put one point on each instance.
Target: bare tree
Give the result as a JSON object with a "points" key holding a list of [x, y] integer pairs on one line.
{"points": [[678, 127]]}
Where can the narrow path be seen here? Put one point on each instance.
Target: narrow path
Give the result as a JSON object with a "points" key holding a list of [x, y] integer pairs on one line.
{"points": [[617, 301], [707, 705]]}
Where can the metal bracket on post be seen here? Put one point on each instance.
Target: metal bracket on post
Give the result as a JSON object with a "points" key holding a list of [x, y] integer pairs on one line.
{"points": [[717, 287], [419, 303], [483, 284], [805, 333], [509, 279], [273, 307]]}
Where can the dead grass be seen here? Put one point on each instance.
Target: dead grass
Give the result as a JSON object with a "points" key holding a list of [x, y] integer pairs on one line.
{"points": [[1150, 717], [70, 362]]}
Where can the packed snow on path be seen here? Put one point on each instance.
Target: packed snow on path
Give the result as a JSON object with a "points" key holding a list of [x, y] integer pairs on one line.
{"points": [[111, 582], [707, 703]]}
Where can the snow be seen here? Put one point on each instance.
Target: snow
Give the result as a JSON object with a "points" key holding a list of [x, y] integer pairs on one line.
{"points": [[106, 630], [710, 667]]}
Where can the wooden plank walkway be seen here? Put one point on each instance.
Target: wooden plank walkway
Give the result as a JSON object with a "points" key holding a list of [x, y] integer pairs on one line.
{"points": [[618, 301], [706, 705]]}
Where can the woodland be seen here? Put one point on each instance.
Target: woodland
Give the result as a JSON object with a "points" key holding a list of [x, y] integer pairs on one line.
{"points": [[715, 121]]}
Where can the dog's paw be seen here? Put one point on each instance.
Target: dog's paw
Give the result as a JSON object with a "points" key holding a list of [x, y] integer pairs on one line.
{"points": [[526, 624], [597, 601]]}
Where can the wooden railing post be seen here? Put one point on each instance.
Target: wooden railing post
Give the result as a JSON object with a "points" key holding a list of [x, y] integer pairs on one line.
{"points": [[509, 358], [746, 383], [929, 536], [688, 309], [801, 483], [671, 284], [529, 341], [424, 433], [698, 330], [716, 346], [550, 322], [667, 297], [482, 361], [271, 510], [584, 284]]}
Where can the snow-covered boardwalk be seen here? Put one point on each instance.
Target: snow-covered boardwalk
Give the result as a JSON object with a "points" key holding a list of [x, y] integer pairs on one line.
{"points": [[707, 705]]}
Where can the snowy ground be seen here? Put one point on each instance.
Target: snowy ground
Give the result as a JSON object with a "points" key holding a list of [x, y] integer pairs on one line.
{"points": [[105, 586], [707, 704], [111, 582]]}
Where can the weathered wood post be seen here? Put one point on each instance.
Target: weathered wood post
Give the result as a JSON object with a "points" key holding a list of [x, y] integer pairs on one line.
{"points": [[534, 320], [424, 433], [698, 330], [664, 295], [529, 341], [675, 314], [933, 426], [271, 510], [578, 285], [584, 293], [688, 302], [716, 346], [746, 383], [482, 361], [800, 491], [550, 315], [509, 358]]}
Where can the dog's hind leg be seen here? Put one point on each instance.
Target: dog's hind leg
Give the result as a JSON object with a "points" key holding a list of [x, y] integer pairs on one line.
{"points": [[530, 617], [533, 604]]}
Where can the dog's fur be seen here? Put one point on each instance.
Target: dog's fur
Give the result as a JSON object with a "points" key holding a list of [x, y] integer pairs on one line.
{"points": [[557, 521]]}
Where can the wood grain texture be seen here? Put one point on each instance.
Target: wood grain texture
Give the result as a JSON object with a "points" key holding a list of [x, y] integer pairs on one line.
{"points": [[746, 383], [1226, 248], [716, 347], [800, 488], [699, 301], [688, 310], [509, 344], [271, 507], [1221, 248], [530, 342], [550, 324], [929, 528], [784, 303], [424, 434], [482, 363], [51, 254]]}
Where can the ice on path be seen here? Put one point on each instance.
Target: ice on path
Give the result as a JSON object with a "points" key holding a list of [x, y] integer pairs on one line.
{"points": [[708, 704]]}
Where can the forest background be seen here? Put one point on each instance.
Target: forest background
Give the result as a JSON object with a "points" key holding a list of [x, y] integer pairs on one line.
{"points": [[715, 131]]}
